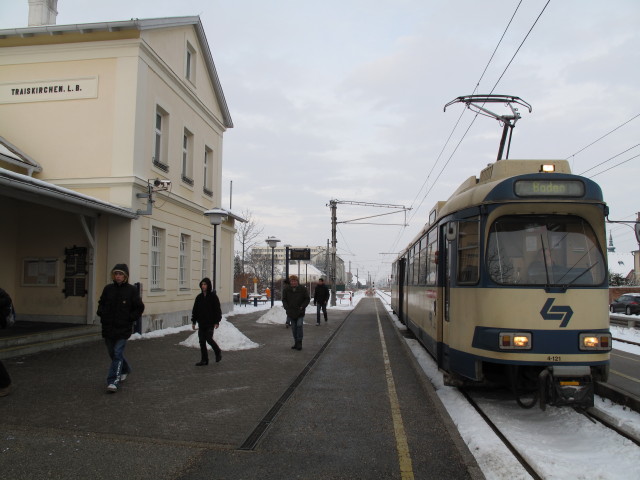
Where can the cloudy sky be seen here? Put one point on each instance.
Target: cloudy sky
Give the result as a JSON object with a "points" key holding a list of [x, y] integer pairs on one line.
{"points": [[343, 99]]}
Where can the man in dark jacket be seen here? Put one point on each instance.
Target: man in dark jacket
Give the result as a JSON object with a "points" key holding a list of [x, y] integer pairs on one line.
{"points": [[321, 296], [119, 308], [207, 314], [295, 299]]}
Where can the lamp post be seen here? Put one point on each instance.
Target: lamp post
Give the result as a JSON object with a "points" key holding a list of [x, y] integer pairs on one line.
{"points": [[216, 217], [273, 243]]}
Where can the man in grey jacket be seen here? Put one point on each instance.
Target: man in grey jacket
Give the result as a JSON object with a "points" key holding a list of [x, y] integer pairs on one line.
{"points": [[295, 299]]}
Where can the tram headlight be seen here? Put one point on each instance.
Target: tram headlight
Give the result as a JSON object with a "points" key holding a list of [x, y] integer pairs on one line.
{"points": [[595, 341], [547, 168], [515, 341]]}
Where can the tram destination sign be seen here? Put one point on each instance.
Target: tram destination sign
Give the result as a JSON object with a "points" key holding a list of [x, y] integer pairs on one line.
{"points": [[549, 188]]}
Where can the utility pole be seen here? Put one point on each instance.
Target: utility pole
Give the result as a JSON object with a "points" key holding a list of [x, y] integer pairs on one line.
{"points": [[334, 241], [333, 204]]}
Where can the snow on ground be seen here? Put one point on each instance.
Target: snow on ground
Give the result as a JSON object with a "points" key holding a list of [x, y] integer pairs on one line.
{"points": [[551, 435]]}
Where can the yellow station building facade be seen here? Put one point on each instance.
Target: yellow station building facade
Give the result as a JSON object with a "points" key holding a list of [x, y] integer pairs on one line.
{"points": [[111, 140]]}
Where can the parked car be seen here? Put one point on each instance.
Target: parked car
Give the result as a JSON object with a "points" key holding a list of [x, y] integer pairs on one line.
{"points": [[628, 303]]}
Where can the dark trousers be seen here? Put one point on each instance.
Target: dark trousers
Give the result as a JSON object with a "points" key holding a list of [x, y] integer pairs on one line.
{"points": [[321, 306], [205, 335], [5, 379]]}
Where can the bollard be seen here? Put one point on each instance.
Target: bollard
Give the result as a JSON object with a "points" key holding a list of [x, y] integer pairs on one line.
{"points": [[255, 301]]}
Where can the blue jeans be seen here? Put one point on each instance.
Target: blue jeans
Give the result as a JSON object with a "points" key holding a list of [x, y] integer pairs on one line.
{"points": [[296, 327], [119, 364]]}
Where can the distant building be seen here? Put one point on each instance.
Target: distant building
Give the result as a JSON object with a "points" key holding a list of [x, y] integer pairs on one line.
{"points": [[90, 116], [318, 257]]}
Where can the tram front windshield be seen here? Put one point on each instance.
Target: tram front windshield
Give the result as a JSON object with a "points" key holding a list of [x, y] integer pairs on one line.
{"points": [[550, 250]]}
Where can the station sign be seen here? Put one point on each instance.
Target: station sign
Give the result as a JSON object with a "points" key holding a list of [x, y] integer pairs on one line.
{"points": [[300, 254]]}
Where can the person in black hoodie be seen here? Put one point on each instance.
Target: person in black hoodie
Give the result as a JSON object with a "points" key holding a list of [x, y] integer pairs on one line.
{"points": [[207, 314], [119, 308]]}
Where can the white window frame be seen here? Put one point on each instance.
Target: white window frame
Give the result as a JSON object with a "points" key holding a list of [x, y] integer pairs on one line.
{"points": [[156, 258], [160, 139], [190, 63], [206, 258], [184, 262], [187, 157], [207, 171]]}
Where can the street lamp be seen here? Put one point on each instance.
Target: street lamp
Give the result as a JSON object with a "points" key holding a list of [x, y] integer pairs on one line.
{"points": [[273, 243], [216, 217]]}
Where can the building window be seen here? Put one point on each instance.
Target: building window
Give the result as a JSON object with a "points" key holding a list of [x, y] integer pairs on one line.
{"points": [[206, 249], [183, 267], [157, 258], [160, 146], [187, 157], [190, 64], [207, 172]]}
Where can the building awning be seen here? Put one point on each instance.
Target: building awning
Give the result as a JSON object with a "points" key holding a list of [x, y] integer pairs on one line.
{"points": [[29, 189]]}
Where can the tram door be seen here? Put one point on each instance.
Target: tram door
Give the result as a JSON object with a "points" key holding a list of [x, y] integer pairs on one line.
{"points": [[401, 283], [448, 237]]}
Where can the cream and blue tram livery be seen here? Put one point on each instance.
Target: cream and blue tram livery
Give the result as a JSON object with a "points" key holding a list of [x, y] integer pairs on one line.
{"points": [[507, 283]]}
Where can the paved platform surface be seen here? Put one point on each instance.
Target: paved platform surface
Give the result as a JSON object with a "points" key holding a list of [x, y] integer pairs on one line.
{"points": [[350, 405]]}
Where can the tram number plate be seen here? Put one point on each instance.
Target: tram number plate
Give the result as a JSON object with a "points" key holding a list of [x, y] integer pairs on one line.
{"points": [[554, 358]]}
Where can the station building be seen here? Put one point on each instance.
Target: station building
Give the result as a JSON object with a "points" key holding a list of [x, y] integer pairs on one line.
{"points": [[111, 140]]}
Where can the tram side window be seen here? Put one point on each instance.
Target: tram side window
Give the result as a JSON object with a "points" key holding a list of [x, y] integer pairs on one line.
{"points": [[432, 257], [416, 263], [468, 252], [423, 261]]}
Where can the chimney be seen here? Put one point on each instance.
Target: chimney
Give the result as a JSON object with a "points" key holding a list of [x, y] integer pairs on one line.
{"points": [[42, 12]]}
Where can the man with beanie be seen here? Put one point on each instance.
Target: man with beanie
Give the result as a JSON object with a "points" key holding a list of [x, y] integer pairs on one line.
{"points": [[119, 308], [295, 299], [207, 314]]}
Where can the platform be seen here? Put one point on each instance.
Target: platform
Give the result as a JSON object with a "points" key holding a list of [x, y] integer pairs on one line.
{"points": [[350, 405]]}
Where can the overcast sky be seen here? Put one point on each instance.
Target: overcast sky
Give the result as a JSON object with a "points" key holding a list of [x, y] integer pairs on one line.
{"points": [[343, 99]]}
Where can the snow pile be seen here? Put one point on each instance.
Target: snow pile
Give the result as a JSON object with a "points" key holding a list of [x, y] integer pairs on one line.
{"points": [[274, 316], [227, 336]]}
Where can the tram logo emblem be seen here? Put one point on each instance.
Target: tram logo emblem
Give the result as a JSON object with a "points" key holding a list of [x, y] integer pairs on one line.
{"points": [[549, 312]]}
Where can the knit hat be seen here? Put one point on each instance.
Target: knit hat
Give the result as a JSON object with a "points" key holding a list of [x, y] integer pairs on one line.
{"points": [[293, 277], [122, 268]]}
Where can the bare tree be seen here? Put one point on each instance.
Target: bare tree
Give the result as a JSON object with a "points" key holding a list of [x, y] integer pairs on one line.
{"points": [[246, 235]]}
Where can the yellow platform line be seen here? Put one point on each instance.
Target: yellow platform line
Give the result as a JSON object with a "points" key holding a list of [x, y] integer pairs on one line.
{"points": [[402, 446]]}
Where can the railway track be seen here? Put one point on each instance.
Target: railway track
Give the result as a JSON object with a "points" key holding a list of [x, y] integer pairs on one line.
{"points": [[592, 427]]}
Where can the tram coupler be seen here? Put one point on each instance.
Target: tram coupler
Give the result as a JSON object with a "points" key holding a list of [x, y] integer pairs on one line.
{"points": [[566, 385]]}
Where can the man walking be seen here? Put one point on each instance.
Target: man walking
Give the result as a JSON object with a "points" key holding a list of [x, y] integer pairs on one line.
{"points": [[119, 308], [321, 296], [295, 299], [207, 313]]}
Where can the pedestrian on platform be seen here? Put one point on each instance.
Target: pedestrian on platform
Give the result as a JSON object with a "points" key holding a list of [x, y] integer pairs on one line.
{"points": [[6, 311], [207, 314], [295, 299], [321, 296], [287, 322], [244, 296], [119, 307]]}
